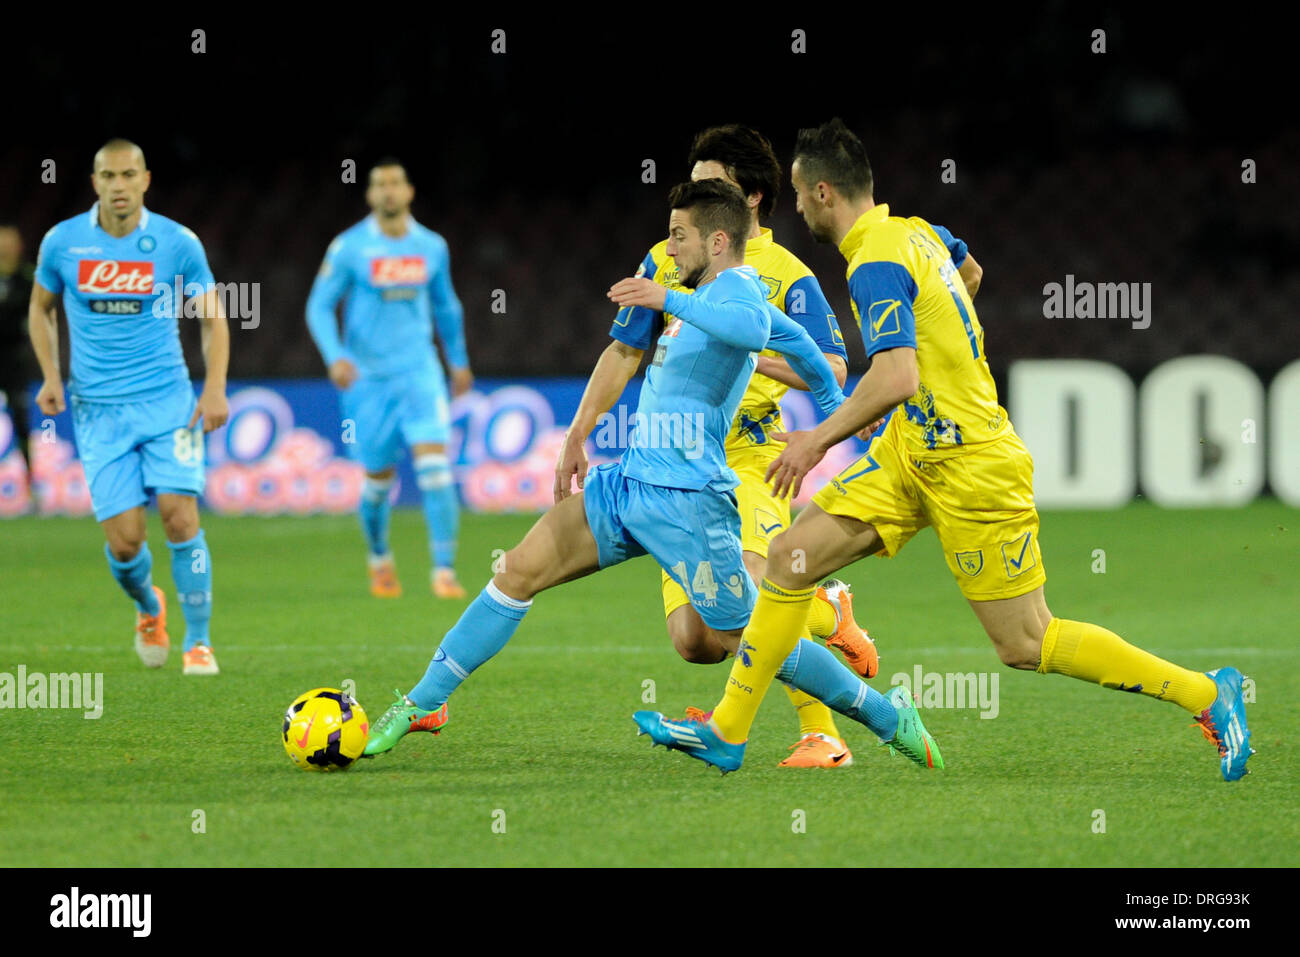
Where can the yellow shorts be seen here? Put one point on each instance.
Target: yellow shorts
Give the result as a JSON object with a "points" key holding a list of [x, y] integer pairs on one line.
{"points": [[980, 503], [762, 515]]}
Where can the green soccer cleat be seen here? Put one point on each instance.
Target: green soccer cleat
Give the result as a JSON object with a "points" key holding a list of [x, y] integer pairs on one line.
{"points": [[401, 718], [911, 738]]}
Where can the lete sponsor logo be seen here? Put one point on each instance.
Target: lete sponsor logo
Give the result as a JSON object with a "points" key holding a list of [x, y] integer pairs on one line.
{"points": [[398, 271], [103, 276]]}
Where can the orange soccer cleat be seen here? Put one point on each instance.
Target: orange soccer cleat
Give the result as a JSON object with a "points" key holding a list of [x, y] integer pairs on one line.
{"points": [[817, 750], [383, 579], [445, 585], [199, 660], [151, 641], [850, 637]]}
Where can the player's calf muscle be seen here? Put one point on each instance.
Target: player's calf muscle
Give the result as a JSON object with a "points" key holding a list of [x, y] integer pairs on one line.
{"points": [[691, 638]]}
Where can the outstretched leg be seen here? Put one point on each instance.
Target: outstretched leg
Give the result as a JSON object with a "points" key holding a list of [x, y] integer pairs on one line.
{"points": [[559, 548], [1027, 636]]}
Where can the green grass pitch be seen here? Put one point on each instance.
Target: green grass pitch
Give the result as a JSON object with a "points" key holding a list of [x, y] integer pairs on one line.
{"points": [[540, 764]]}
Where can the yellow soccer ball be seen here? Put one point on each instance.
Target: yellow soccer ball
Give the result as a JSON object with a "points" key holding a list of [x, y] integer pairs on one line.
{"points": [[325, 730]]}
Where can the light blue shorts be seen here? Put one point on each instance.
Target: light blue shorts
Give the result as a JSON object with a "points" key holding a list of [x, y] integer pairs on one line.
{"points": [[694, 536], [132, 449], [390, 413]]}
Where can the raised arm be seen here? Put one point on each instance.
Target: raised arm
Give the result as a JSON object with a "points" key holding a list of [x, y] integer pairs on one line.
{"points": [[806, 304], [734, 322], [793, 341]]}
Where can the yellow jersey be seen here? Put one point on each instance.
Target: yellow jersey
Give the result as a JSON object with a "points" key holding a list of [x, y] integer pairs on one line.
{"points": [[906, 291]]}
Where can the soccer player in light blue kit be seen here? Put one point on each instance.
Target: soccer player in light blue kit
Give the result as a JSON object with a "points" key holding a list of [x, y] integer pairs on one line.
{"points": [[670, 496], [396, 275], [122, 271]]}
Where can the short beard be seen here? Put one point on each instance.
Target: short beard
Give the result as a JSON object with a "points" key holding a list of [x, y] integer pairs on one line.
{"points": [[820, 233], [692, 279]]}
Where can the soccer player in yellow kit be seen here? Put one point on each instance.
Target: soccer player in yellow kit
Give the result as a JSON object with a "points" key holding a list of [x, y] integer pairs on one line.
{"points": [[948, 457], [744, 158]]}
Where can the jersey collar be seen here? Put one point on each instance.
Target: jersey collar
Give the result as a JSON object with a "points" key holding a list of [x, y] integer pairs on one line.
{"points": [[759, 242], [372, 224], [143, 224], [853, 238]]}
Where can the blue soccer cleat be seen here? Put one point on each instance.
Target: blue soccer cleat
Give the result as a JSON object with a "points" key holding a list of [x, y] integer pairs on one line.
{"points": [[1224, 723], [694, 734]]}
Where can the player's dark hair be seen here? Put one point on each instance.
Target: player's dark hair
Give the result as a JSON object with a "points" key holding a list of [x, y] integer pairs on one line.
{"points": [[385, 161], [119, 143], [832, 153], [714, 204], [748, 158]]}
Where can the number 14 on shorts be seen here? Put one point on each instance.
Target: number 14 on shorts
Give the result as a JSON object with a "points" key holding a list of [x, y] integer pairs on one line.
{"points": [[703, 583]]}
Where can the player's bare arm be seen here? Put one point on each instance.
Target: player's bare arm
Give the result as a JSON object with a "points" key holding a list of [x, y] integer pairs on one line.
{"points": [[971, 274], [212, 407], [774, 367], [462, 380], [43, 330], [892, 378], [614, 370], [342, 372]]}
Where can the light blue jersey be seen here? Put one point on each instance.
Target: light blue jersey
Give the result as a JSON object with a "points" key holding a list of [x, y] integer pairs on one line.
{"points": [[120, 296], [700, 369], [670, 495], [396, 289]]}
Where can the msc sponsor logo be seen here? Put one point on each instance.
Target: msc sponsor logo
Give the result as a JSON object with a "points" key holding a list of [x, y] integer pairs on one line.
{"points": [[116, 307]]}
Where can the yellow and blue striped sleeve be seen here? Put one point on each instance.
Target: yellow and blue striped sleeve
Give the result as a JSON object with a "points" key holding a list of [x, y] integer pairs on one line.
{"points": [[806, 304], [884, 293], [637, 326], [956, 247]]}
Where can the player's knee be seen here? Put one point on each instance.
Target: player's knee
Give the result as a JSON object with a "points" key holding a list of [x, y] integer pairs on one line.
{"points": [[180, 524], [1018, 649], [518, 577], [124, 547], [787, 563]]}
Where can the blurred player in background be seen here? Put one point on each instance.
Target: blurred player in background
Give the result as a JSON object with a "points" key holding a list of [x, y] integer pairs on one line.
{"points": [[670, 495], [135, 417], [948, 457], [396, 277], [16, 279], [744, 158]]}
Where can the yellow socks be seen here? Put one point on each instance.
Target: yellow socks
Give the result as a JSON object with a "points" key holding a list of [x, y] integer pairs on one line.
{"points": [[1091, 653], [821, 618], [814, 717], [774, 628]]}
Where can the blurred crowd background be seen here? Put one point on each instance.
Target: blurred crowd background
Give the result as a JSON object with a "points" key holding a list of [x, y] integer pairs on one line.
{"points": [[1123, 166]]}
